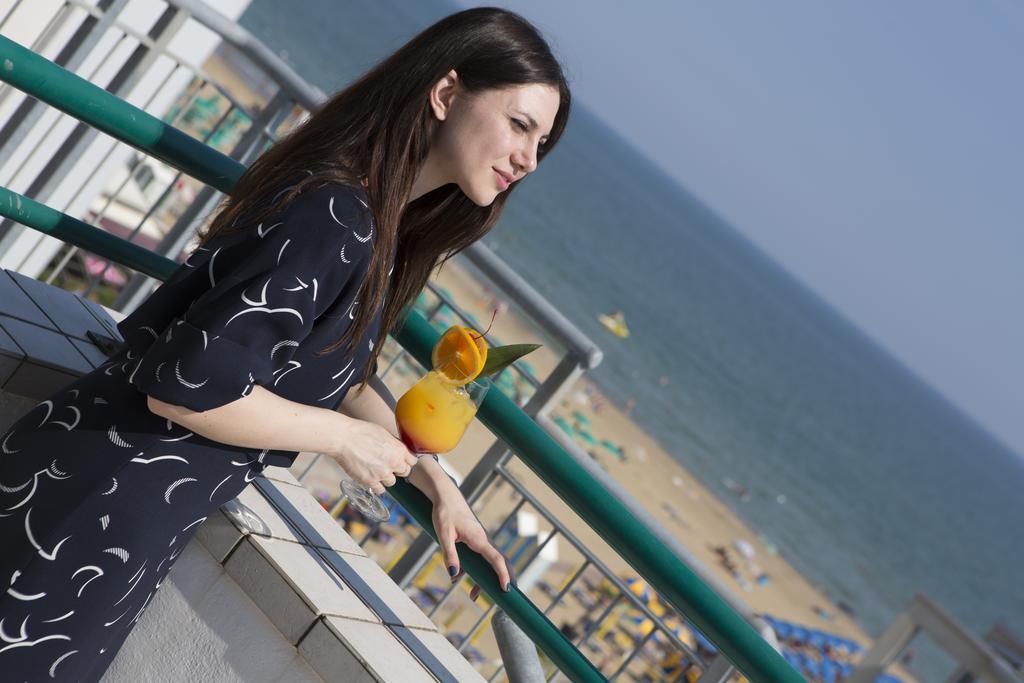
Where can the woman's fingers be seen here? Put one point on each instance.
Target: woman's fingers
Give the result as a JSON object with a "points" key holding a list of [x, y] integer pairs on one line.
{"points": [[446, 539], [484, 547], [497, 561], [500, 565], [401, 461]]}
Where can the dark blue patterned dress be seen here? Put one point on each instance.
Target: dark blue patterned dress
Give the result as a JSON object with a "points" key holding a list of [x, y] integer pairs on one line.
{"points": [[98, 496]]}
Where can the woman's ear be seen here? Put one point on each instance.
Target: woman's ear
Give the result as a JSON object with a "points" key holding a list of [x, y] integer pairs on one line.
{"points": [[443, 94]]}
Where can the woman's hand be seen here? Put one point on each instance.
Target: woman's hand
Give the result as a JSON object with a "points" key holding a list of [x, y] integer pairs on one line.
{"points": [[372, 456], [454, 522]]}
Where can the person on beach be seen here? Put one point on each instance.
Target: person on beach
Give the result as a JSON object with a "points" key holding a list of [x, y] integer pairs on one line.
{"points": [[265, 341]]}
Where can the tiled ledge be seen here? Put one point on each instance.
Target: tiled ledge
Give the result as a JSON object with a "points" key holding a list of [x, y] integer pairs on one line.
{"points": [[44, 341], [343, 636], [341, 612]]}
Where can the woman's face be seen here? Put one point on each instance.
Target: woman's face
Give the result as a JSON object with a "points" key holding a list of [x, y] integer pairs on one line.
{"points": [[489, 140]]}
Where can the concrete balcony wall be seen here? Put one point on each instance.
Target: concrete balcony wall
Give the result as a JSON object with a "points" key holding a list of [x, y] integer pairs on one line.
{"points": [[201, 626]]}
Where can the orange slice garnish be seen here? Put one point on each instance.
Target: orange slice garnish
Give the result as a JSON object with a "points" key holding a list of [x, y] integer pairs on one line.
{"points": [[459, 355]]}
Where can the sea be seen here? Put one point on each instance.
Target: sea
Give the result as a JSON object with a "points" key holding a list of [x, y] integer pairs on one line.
{"points": [[739, 370]]}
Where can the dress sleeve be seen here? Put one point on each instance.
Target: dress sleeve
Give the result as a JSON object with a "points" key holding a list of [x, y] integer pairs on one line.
{"points": [[266, 292]]}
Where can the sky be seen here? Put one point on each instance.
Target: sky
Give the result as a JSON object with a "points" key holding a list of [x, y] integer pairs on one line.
{"points": [[874, 149]]}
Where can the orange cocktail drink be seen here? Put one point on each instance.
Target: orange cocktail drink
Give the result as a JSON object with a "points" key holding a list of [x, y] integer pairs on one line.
{"points": [[433, 415]]}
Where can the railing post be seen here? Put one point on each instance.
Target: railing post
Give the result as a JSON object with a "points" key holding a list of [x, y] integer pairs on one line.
{"points": [[885, 650], [719, 671], [518, 653]]}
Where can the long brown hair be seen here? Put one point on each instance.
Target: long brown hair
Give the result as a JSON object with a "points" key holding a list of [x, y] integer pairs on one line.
{"points": [[379, 129]]}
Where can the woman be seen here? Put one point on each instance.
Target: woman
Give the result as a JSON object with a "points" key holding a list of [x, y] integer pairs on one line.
{"points": [[260, 345]]}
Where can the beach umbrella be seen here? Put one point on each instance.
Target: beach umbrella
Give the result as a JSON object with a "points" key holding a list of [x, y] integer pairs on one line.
{"points": [[829, 673], [811, 666], [586, 436], [610, 446], [703, 642], [816, 639], [580, 418], [564, 425], [801, 633], [850, 646], [646, 626], [677, 629], [835, 641], [671, 665], [783, 630], [638, 587], [793, 660], [744, 548], [641, 590]]}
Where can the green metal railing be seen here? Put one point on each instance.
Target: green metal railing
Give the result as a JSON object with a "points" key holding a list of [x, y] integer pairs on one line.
{"points": [[663, 570]]}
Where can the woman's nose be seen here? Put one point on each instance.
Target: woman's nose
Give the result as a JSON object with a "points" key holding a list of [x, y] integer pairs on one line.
{"points": [[526, 160]]}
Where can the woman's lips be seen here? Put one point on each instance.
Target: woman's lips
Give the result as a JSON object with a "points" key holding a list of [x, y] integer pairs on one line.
{"points": [[503, 183]]}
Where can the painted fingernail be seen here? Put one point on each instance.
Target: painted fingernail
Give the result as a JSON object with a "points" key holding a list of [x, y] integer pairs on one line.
{"points": [[452, 571], [507, 586]]}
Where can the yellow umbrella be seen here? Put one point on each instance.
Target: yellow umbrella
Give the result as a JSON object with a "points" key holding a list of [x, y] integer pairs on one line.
{"points": [[683, 634], [638, 587]]}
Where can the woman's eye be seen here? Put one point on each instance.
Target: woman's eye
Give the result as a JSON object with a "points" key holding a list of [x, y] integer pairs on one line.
{"points": [[521, 125]]}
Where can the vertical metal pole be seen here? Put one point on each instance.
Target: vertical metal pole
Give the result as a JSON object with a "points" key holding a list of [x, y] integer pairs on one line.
{"points": [[518, 653], [632, 655], [885, 650], [719, 671]]}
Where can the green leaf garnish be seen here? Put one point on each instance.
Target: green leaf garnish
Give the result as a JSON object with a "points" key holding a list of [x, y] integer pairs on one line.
{"points": [[500, 357]]}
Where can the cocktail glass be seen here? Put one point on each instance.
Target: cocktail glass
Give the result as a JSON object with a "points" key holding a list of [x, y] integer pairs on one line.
{"points": [[432, 417]]}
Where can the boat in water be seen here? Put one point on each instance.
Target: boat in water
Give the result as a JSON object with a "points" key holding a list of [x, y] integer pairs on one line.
{"points": [[615, 323]]}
